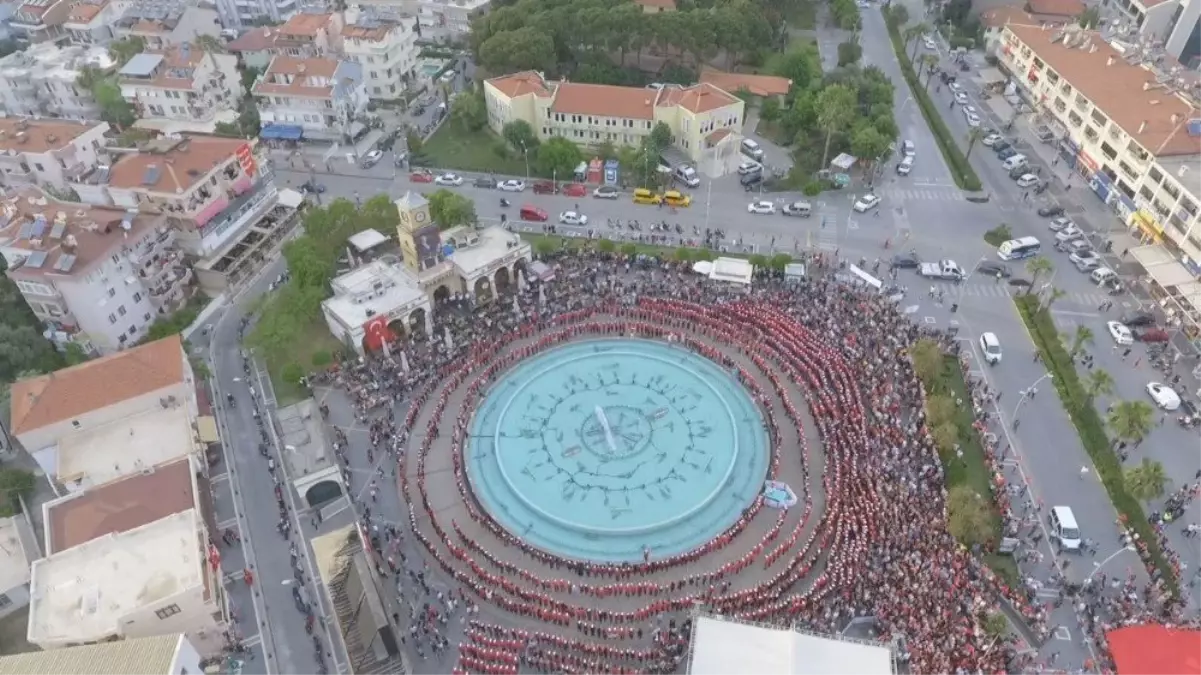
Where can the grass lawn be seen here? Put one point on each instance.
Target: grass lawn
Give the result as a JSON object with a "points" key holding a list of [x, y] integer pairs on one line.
{"points": [[972, 470], [802, 15], [315, 340], [12, 633], [452, 148]]}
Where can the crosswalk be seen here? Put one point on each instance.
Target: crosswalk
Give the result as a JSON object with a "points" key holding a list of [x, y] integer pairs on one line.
{"points": [[825, 235], [1003, 290], [921, 194]]}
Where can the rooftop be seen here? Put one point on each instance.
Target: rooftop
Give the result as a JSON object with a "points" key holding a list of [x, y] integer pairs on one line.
{"points": [[137, 656], [68, 393], [303, 436], [62, 239], [16, 552], [254, 40], [495, 242], [173, 166], [173, 68], [520, 84], [1067, 9], [298, 77], [126, 446], [759, 85], [697, 99], [20, 134], [86, 10], [119, 506], [997, 17], [727, 646], [371, 290], [153, 16], [49, 60], [657, 4], [605, 100], [82, 594], [1130, 95], [305, 24]]}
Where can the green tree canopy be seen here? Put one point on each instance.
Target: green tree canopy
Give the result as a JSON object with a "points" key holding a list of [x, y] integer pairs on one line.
{"points": [[451, 209], [125, 49], [968, 517], [520, 135], [559, 157], [468, 111], [1147, 481], [1131, 420]]}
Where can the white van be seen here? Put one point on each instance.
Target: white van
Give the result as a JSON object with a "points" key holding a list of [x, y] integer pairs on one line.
{"points": [[687, 175], [1102, 275], [1014, 162], [905, 166], [1064, 527], [991, 348], [908, 149], [751, 149]]}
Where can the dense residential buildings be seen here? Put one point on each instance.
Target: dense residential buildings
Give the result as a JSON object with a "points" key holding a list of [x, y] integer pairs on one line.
{"points": [[321, 98], [158, 655], [242, 14], [384, 44], [438, 19], [162, 24], [1131, 130], [39, 20], [18, 549], [1182, 39], [182, 88], [49, 152], [43, 80], [304, 35], [94, 21], [703, 118]]}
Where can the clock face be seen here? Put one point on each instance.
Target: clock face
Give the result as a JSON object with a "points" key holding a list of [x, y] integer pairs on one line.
{"points": [[419, 215]]}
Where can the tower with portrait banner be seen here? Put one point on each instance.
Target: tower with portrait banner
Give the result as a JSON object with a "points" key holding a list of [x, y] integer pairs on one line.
{"points": [[419, 238]]}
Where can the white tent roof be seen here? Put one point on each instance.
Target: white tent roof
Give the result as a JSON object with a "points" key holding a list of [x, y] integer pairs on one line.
{"points": [[290, 198], [702, 267], [723, 647], [735, 270], [367, 240]]}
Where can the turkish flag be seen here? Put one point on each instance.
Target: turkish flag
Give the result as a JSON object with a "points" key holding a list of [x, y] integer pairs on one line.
{"points": [[376, 333]]}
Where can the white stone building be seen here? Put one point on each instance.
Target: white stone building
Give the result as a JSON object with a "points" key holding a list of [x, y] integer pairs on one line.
{"points": [[42, 80], [324, 97], [49, 153], [182, 89]]}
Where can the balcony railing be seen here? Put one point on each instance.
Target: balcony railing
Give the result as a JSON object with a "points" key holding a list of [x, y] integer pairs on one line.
{"points": [[243, 207]]}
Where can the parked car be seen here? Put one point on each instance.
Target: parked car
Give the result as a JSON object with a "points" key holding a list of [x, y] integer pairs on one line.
{"points": [[1086, 260], [371, 159], [312, 187], [1070, 233], [749, 167], [993, 268], [905, 261], [533, 214], [1151, 334], [575, 190], [1050, 211], [1139, 319], [544, 187], [1073, 246], [991, 140], [1001, 146], [605, 192], [1164, 396], [511, 186], [484, 182], [421, 177], [1027, 180], [1120, 333], [798, 209], [1006, 152], [449, 180], [1058, 224]]}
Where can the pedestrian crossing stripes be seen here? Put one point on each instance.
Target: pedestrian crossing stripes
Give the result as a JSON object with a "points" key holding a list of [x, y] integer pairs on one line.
{"points": [[1003, 290], [918, 194], [826, 235]]}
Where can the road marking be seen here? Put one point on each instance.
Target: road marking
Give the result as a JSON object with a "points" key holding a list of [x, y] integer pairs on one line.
{"points": [[1062, 633], [852, 224], [253, 640], [1051, 593], [1066, 312], [218, 478], [929, 319], [226, 524], [911, 309]]}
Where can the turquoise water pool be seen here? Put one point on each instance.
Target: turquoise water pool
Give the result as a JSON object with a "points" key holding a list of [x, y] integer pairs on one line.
{"points": [[599, 449]]}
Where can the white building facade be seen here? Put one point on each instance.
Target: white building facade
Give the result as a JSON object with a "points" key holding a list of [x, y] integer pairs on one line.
{"points": [[42, 80], [49, 153], [384, 45], [182, 84], [323, 97]]}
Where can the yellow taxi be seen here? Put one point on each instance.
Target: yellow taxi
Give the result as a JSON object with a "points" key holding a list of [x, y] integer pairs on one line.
{"points": [[645, 196], [675, 198]]}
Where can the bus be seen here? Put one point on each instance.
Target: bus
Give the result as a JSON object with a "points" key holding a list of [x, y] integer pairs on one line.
{"points": [[1016, 249]]}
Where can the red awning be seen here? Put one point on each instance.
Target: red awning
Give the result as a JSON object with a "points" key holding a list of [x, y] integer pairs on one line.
{"points": [[376, 333], [1155, 649]]}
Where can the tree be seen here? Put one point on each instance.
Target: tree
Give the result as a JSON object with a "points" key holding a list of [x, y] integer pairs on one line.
{"points": [[468, 112], [927, 360], [1037, 267], [995, 624], [451, 209], [22, 348], [74, 355], [414, 142], [849, 53], [14, 484], [835, 108], [660, 137], [899, 14], [1130, 420], [559, 157], [913, 35], [520, 136], [308, 265], [939, 410], [125, 49], [1078, 339], [527, 48], [868, 144], [973, 135], [968, 517], [1098, 382], [1052, 295], [1147, 481], [770, 109], [946, 437], [1090, 18]]}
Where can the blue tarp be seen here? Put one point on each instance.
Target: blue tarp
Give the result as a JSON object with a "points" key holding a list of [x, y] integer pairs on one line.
{"points": [[281, 132]]}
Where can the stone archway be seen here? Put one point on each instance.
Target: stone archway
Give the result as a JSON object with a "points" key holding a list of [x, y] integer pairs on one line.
{"points": [[322, 492], [441, 294], [399, 328], [521, 271], [417, 323], [483, 291], [502, 281]]}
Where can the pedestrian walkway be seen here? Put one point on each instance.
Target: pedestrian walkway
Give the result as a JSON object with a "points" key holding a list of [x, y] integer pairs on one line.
{"points": [[825, 235], [1003, 290], [921, 194]]}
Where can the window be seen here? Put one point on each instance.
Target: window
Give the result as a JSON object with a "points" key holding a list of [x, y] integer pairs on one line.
{"points": [[169, 610], [137, 297], [1107, 149], [1155, 175], [146, 317], [121, 310], [112, 318], [112, 292], [133, 330], [1099, 119], [75, 423]]}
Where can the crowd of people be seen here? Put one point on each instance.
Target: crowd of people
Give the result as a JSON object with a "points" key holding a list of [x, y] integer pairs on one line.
{"points": [[823, 360]]}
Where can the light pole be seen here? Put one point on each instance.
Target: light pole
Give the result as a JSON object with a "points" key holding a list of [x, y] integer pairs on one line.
{"points": [[1029, 393], [525, 152], [1098, 565], [708, 200]]}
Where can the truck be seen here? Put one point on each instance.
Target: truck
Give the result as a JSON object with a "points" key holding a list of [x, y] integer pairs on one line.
{"points": [[687, 175], [944, 269]]}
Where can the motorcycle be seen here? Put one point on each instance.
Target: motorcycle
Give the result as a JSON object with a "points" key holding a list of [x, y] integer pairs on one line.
{"points": [[230, 399], [504, 203]]}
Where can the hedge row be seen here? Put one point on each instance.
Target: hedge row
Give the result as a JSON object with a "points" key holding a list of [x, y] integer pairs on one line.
{"points": [[1091, 429], [965, 177]]}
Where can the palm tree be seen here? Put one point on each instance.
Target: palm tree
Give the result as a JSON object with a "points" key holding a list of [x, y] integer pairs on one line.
{"points": [[1147, 481], [835, 109], [1131, 420], [973, 135], [1079, 339], [913, 33], [928, 62], [1053, 294], [1037, 267], [1098, 383]]}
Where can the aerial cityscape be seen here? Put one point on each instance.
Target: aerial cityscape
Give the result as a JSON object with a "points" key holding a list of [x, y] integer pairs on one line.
{"points": [[624, 336]]}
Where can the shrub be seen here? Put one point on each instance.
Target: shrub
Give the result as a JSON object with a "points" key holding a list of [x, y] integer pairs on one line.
{"points": [[998, 235], [812, 189], [322, 359], [1091, 429]]}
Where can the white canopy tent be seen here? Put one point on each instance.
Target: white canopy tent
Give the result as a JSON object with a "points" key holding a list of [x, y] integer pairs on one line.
{"points": [[734, 270], [720, 647]]}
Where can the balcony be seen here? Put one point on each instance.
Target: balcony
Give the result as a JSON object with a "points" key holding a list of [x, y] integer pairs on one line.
{"points": [[154, 248], [242, 209]]}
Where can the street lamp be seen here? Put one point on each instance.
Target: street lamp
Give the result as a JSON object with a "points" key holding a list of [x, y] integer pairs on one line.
{"points": [[525, 152], [1029, 393], [1098, 565]]}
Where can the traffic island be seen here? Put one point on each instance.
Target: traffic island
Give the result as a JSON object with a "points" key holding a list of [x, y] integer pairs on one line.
{"points": [[1091, 430]]}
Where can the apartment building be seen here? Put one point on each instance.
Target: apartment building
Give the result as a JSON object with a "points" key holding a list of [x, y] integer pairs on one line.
{"points": [[438, 19], [94, 21], [1183, 36], [18, 549], [43, 80], [1150, 19], [96, 394], [39, 20], [49, 152], [384, 44], [323, 97], [304, 35], [1132, 131], [703, 118], [162, 24], [96, 276], [183, 85], [159, 655], [238, 14]]}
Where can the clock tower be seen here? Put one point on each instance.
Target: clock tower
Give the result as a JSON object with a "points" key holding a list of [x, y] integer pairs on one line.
{"points": [[419, 238]]}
